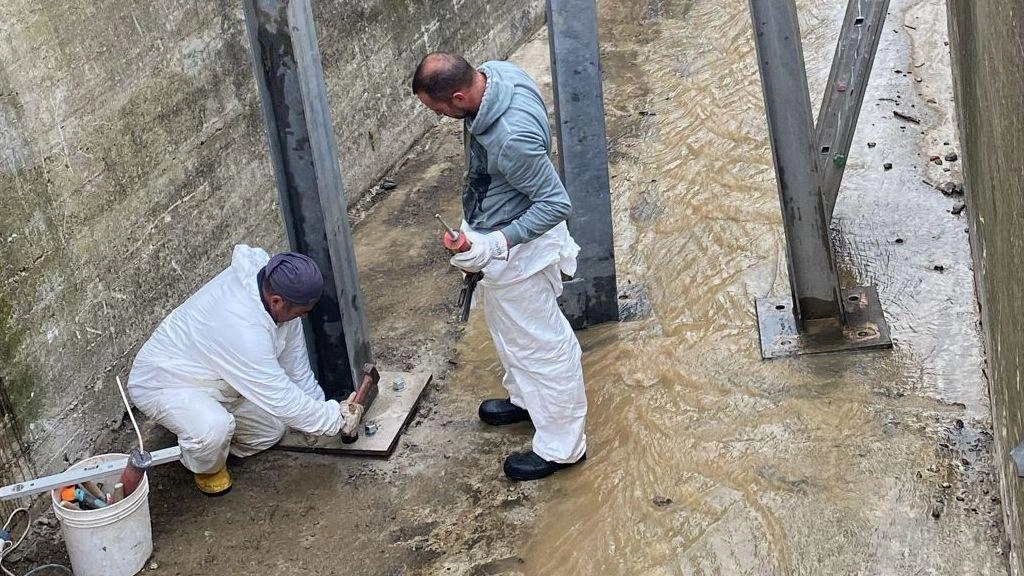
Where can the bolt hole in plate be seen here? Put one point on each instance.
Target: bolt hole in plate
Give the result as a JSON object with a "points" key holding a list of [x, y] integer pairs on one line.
{"points": [[854, 298], [859, 21], [861, 333], [780, 307]]}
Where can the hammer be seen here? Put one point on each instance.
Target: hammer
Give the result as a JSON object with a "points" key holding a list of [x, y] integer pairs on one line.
{"points": [[365, 395]]}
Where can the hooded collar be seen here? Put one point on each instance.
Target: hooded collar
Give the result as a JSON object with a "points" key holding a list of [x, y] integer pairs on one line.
{"points": [[246, 264], [497, 98]]}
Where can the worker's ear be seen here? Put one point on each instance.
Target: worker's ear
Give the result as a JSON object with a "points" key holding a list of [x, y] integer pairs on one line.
{"points": [[276, 301], [459, 97]]}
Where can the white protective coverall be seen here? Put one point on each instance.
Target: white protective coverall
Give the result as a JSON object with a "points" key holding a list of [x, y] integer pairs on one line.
{"points": [[223, 376], [535, 342]]}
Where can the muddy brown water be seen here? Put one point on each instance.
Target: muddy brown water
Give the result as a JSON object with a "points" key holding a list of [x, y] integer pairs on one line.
{"points": [[704, 459]]}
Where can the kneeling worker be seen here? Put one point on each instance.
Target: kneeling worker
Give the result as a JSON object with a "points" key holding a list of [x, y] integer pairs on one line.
{"points": [[228, 371]]}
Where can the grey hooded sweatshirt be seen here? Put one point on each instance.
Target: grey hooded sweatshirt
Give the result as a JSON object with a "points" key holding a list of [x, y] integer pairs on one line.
{"points": [[511, 184]]}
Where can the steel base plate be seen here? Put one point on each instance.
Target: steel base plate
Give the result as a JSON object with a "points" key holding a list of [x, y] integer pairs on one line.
{"points": [[866, 328], [389, 414]]}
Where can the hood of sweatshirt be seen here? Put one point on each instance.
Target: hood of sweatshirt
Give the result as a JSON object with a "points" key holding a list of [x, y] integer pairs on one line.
{"points": [[496, 100]]}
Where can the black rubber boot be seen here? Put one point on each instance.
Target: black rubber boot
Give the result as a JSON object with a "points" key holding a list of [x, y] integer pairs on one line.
{"points": [[529, 466], [501, 411]]}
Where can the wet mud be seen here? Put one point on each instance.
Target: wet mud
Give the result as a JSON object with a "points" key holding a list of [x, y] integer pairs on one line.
{"points": [[702, 459]]}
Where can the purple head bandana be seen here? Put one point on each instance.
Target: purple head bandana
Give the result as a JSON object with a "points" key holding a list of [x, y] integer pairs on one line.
{"points": [[294, 277]]}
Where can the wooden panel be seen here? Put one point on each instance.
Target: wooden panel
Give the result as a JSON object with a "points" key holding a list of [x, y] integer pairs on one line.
{"points": [[391, 411]]}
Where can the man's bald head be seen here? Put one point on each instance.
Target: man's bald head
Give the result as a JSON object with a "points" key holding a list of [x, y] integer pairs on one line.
{"points": [[440, 74]]}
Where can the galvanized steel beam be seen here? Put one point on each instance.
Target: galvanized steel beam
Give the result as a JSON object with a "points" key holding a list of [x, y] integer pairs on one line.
{"points": [[819, 316], [844, 93], [286, 60], [780, 58], [591, 298]]}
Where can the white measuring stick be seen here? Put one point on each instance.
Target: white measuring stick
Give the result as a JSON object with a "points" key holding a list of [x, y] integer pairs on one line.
{"points": [[72, 477]]}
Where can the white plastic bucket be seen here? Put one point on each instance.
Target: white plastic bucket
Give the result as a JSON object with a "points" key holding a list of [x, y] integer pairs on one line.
{"points": [[113, 541]]}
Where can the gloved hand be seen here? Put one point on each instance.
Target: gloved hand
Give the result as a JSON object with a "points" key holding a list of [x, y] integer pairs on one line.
{"points": [[351, 415], [486, 247]]}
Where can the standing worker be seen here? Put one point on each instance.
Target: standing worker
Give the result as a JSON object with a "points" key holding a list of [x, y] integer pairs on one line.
{"points": [[514, 210], [227, 371]]}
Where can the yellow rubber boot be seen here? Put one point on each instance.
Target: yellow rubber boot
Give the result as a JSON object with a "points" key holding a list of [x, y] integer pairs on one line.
{"points": [[214, 484]]}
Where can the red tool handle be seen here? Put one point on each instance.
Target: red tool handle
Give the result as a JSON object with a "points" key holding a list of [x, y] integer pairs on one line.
{"points": [[458, 244]]}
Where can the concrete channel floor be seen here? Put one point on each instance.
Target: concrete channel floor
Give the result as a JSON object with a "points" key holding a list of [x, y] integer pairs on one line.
{"points": [[703, 459]]}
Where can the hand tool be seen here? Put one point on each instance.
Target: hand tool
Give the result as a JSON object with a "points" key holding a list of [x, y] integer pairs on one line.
{"points": [[469, 281], [118, 493], [88, 501], [365, 395], [92, 488], [457, 242], [138, 462], [454, 241]]}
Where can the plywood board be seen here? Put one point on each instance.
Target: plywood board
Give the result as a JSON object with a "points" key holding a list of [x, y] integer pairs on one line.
{"points": [[390, 411]]}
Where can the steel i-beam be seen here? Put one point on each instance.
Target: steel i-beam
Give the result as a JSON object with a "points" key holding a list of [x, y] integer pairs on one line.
{"points": [[819, 317], [592, 297], [286, 60], [844, 93]]}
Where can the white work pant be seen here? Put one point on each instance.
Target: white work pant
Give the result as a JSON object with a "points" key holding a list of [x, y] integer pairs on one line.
{"points": [[541, 356], [209, 426]]}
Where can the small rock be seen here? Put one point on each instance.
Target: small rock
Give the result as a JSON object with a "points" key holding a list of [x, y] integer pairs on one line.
{"points": [[153, 565], [965, 461], [899, 240], [933, 468], [959, 424], [951, 188], [388, 184], [647, 113], [935, 160], [952, 157], [946, 485], [887, 166], [937, 507], [939, 268], [661, 501], [871, 144]]}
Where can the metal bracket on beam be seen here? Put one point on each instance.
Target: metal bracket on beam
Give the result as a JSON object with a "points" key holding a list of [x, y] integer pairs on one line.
{"points": [[819, 316], [865, 327], [286, 60], [592, 298]]}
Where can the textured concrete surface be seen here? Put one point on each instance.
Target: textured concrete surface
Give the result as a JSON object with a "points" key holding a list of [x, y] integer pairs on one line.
{"points": [[134, 157], [988, 61]]}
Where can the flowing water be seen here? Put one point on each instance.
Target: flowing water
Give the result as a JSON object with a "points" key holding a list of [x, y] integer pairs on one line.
{"points": [[704, 459]]}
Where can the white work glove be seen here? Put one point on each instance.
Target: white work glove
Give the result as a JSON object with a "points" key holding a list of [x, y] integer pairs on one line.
{"points": [[351, 416], [485, 247]]}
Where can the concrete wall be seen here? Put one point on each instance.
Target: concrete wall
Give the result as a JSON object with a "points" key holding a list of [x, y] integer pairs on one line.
{"points": [[988, 72], [134, 157]]}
